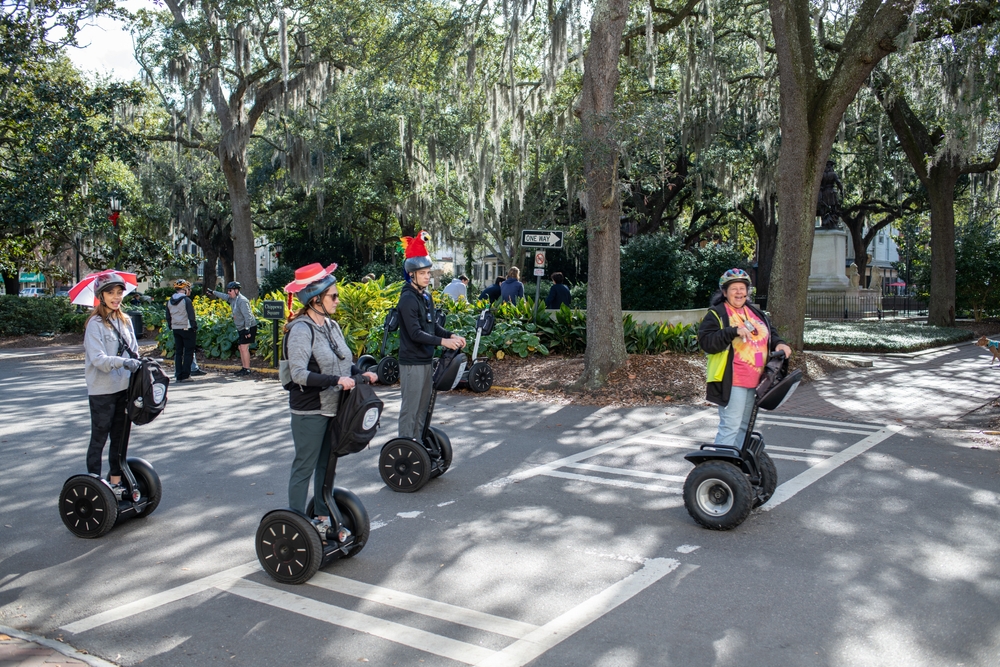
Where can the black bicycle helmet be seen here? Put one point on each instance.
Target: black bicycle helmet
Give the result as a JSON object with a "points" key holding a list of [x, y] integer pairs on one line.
{"points": [[233, 285]]}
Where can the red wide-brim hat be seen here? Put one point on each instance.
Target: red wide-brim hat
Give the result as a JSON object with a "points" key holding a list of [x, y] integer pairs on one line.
{"points": [[307, 275]]}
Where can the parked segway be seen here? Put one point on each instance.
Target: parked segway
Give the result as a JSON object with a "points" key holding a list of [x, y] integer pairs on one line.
{"points": [[290, 547], [89, 505], [388, 368], [727, 482], [479, 376], [407, 465]]}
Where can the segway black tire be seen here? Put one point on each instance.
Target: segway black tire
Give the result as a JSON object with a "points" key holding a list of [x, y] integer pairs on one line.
{"points": [[288, 547], [444, 444], [480, 377], [149, 484], [366, 362], [404, 464], [88, 506], [718, 495], [388, 371], [355, 519], [768, 479]]}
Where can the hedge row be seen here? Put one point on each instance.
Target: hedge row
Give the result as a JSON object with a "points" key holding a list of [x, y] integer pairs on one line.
{"points": [[34, 315]]}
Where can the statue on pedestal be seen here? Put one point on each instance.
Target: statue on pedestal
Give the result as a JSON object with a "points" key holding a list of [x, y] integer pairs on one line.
{"points": [[828, 207], [876, 284], [854, 276]]}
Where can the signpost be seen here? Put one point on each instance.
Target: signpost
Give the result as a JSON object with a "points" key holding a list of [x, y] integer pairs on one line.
{"points": [[274, 311], [541, 238]]}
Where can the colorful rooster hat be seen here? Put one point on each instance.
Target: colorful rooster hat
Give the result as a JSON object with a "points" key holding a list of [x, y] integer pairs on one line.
{"points": [[415, 255]]}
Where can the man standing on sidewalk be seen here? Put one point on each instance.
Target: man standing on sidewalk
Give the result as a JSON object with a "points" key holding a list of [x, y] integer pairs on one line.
{"points": [[419, 334], [180, 318], [246, 323]]}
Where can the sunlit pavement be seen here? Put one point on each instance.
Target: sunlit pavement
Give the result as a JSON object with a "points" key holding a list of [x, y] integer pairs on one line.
{"points": [[559, 536]]}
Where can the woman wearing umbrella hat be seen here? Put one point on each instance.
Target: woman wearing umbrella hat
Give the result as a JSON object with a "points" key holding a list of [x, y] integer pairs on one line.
{"points": [[107, 335]]}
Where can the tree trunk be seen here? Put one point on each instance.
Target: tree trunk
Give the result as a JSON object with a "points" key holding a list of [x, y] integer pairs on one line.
{"points": [[941, 192], [11, 284], [211, 266], [244, 257], [764, 219], [856, 226], [605, 334], [811, 110]]}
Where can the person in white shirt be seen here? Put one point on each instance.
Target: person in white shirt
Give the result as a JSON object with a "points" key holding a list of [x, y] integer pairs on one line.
{"points": [[457, 289]]}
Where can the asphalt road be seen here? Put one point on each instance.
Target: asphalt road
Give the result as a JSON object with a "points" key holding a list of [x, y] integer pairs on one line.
{"points": [[558, 537]]}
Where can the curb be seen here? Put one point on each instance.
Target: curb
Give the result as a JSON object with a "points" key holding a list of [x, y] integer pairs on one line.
{"points": [[64, 649]]}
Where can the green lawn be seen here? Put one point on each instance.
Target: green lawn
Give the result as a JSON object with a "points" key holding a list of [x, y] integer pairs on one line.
{"points": [[835, 336]]}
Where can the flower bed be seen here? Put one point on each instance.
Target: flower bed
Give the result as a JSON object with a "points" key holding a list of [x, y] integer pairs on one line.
{"points": [[881, 336]]}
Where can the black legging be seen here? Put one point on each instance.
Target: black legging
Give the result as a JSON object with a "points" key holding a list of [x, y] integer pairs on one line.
{"points": [[108, 414]]}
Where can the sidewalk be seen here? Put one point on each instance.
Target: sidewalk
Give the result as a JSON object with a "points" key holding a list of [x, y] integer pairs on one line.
{"points": [[929, 389], [21, 649]]}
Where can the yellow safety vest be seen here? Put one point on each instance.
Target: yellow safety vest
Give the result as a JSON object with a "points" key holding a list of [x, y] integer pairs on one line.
{"points": [[717, 362]]}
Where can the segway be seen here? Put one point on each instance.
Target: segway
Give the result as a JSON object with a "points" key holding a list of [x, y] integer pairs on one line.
{"points": [[479, 376], [290, 546], [387, 369], [90, 506], [407, 465], [727, 482]]}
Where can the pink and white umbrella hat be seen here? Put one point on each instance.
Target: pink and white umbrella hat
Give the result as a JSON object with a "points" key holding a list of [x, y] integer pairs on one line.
{"points": [[83, 294]]}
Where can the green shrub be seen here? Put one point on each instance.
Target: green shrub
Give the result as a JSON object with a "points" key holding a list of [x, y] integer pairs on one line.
{"points": [[276, 279], [656, 273], [31, 315], [73, 322]]}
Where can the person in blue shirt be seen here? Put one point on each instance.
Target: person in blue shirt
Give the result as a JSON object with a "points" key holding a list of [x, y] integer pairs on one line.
{"points": [[558, 293], [512, 290], [492, 292]]}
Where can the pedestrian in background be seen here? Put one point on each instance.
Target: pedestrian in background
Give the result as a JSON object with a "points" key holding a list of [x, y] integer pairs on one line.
{"points": [[492, 292], [458, 289], [181, 320], [107, 335], [558, 293], [512, 290], [246, 323]]}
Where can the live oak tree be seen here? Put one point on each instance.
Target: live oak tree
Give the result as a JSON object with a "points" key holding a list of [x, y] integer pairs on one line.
{"points": [[940, 98], [242, 60], [825, 54]]}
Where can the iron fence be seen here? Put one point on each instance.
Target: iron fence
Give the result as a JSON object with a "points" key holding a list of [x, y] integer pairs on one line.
{"points": [[857, 307]]}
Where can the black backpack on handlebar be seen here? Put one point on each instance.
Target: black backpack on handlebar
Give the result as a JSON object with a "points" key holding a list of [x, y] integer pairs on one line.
{"points": [[357, 419]]}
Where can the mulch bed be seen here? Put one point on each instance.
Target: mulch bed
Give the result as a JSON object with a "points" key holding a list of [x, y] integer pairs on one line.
{"points": [[646, 379]]}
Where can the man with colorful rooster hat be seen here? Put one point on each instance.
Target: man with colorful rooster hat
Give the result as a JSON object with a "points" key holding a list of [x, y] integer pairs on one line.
{"points": [[419, 335]]}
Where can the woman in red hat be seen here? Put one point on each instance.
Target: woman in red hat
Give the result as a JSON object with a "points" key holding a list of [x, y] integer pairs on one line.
{"points": [[321, 367]]}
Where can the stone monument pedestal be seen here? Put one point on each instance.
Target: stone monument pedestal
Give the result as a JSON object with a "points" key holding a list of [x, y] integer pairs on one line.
{"points": [[829, 259]]}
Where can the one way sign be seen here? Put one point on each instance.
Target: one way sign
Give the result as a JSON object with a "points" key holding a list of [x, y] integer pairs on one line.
{"points": [[541, 238]]}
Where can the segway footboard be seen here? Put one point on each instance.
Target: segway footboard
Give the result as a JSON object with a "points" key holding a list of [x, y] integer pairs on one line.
{"points": [[712, 452]]}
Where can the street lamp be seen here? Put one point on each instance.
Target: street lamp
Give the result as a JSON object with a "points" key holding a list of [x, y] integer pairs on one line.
{"points": [[277, 252], [115, 204]]}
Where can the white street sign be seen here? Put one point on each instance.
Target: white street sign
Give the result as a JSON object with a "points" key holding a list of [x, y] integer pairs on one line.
{"points": [[541, 238]]}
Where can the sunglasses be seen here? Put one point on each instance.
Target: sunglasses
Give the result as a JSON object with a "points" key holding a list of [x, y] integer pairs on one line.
{"points": [[334, 296]]}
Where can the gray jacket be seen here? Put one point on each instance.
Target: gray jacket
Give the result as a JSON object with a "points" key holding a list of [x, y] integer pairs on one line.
{"points": [[324, 340], [103, 368], [242, 315]]}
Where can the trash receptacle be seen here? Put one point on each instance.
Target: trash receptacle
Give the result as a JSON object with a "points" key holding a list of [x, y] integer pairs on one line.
{"points": [[136, 322]]}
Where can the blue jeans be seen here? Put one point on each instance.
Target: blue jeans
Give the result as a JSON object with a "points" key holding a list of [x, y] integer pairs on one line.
{"points": [[734, 417]]}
